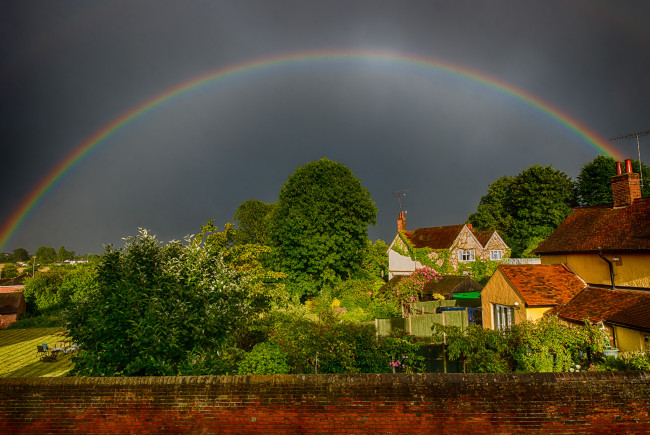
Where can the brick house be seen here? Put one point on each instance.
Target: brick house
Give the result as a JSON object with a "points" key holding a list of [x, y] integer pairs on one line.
{"points": [[454, 245], [515, 294]]}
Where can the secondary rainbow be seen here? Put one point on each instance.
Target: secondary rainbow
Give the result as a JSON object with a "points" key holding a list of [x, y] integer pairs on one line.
{"points": [[47, 183]]}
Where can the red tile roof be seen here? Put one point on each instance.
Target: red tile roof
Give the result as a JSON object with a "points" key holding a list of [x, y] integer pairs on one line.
{"points": [[625, 307], [543, 284], [586, 229], [442, 237]]}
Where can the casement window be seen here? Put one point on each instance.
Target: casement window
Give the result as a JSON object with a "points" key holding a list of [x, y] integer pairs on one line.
{"points": [[466, 255], [495, 254], [504, 316]]}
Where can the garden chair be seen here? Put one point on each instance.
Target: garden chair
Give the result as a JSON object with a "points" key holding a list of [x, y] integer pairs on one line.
{"points": [[42, 353]]}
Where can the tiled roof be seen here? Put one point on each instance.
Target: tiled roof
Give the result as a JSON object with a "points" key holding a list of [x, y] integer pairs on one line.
{"points": [[624, 307], [543, 284], [434, 237], [586, 229], [483, 236]]}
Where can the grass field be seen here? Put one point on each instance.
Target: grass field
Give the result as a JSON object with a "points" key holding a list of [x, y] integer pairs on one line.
{"points": [[18, 357]]}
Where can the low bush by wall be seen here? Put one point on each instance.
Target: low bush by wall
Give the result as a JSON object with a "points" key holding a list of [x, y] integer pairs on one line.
{"points": [[606, 402]]}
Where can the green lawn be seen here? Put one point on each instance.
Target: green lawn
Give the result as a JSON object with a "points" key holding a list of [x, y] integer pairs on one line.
{"points": [[18, 357]]}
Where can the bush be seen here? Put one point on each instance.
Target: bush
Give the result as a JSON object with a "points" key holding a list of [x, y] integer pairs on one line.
{"points": [[9, 270], [265, 359], [638, 360]]}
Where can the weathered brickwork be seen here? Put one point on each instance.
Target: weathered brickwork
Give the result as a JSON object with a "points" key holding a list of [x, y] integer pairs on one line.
{"points": [[577, 403]]}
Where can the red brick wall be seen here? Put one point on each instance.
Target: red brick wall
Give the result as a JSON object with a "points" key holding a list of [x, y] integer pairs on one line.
{"points": [[431, 403]]}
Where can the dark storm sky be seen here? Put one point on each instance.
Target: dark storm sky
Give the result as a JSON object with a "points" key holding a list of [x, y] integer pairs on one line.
{"points": [[68, 68]]}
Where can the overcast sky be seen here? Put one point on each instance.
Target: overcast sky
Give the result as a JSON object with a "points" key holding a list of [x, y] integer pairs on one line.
{"points": [[69, 68]]}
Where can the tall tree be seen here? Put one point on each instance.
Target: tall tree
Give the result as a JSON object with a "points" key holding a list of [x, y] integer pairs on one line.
{"points": [[252, 218], [45, 255], [526, 208], [593, 186], [20, 254], [319, 228], [64, 255]]}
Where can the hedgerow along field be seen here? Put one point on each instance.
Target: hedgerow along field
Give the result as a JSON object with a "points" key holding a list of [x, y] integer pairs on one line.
{"points": [[18, 357]]}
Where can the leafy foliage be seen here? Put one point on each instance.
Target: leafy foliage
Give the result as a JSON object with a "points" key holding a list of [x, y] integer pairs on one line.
{"points": [[9, 270], [526, 208], [252, 218], [265, 359], [20, 254], [541, 346], [375, 262], [594, 187], [45, 255], [158, 310], [319, 228]]}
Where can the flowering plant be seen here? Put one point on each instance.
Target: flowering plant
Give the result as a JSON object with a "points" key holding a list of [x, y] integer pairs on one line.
{"points": [[409, 289]]}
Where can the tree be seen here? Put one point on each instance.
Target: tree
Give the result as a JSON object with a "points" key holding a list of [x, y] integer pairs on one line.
{"points": [[20, 254], [252, 221], [319, 228], [158, 310], [9, 270], [527, 208], [375, 261], [45, 255], [64, 255], [594, 187]]}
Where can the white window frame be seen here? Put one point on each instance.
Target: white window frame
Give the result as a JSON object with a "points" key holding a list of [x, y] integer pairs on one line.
{"points": [[503, 316], [496, 254], [465, 255]]}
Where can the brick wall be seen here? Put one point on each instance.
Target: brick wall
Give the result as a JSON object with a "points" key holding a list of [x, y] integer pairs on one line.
{"points": [[442, 403]]}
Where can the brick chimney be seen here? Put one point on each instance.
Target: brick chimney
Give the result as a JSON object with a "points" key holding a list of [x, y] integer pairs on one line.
{"points": [[625, 187], [401, 222]]}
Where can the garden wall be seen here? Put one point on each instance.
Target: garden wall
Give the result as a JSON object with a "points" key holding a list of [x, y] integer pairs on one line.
{"points": [[604, 402]]}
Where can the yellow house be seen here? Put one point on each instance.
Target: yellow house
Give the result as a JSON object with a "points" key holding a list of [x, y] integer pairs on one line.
{"points": [[515, 294], [624, 313], [607, 245]]}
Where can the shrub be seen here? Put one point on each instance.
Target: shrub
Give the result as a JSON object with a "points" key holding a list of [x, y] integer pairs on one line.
{"points": [[265, 359]]}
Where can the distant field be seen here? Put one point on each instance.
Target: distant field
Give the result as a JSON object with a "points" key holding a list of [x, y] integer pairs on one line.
{"points": [[18, 358]]}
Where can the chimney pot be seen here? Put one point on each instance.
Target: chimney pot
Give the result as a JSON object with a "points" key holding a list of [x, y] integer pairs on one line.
{"points": [[619, 168], [470, 227], [628, 166]]}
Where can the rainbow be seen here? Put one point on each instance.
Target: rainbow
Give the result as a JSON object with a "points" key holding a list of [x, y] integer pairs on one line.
{"points": [[47, 183]]}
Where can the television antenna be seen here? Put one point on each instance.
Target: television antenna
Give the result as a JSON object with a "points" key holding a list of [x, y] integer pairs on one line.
{"points": [[399, 194], [638, 147]]}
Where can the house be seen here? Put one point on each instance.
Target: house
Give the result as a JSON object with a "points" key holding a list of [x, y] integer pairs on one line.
{"points": [[442, 248], [12, 304], [515, 294], [607, 245], [625, 314]]}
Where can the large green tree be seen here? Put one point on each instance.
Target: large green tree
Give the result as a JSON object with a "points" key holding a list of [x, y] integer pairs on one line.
{"points": [[594, 187], [319, 228], [526, 208], [158, 310], [20, 254], [45, 255]]}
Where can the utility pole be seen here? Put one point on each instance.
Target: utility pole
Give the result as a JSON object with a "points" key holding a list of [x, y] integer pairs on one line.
{"points": [[638, 147]]}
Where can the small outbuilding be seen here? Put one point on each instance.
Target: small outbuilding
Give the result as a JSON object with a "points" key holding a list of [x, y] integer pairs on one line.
{"points": [[12, 305]]}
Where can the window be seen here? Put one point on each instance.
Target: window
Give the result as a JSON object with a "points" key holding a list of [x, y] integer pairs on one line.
{"points": [[504, 316], [466, 255], [495, 254]]}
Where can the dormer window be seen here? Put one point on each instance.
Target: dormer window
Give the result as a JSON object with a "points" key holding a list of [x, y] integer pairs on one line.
{"points": [[465, 256]]}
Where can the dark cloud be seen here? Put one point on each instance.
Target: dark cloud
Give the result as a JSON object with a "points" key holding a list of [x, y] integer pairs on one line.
{"points": [[70, 68]]}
